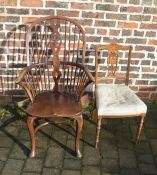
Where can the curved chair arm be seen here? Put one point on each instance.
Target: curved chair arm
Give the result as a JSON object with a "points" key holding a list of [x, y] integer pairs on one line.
{"points": [[90, 79], [76, 78], [40, 77], [89, 74], [20, 80], [21, 76]]}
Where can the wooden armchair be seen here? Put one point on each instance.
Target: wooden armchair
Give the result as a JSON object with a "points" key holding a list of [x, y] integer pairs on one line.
{"points": [[114, 100], [56, 78], [54, 94]]}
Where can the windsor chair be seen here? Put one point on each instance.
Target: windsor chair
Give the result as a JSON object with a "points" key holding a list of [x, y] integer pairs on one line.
{"points": [[115, 100], [55, 78]]}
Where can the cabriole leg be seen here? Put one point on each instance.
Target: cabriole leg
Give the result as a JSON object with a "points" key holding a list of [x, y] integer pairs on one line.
{"points": [[78, 133], [98, 132], [30, 124]]}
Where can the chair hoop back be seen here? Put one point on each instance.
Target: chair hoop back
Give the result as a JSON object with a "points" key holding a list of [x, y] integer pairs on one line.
{"points": [[55, 37]]}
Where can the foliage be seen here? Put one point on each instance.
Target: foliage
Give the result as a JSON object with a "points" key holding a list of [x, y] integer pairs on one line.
{"points": [[3, 112], [152, 107], [88, 109], [16, 110]]}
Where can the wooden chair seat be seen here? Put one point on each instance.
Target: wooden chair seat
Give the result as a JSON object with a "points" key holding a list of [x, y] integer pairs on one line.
{"points": [[51, 103]]}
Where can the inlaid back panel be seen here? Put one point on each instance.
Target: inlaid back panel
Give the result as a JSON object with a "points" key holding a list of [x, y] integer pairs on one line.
{"points": [[113, 63]]}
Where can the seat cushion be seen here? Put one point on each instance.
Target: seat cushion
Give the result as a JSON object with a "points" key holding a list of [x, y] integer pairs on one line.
{"points": [[118, 100], [48, 104]]}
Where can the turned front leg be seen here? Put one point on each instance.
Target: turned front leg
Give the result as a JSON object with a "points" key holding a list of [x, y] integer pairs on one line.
{"points": [[98, 132], [139, 129]]}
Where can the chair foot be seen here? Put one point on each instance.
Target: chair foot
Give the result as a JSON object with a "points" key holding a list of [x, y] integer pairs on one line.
{"points": [[98, 132], [139, 129], [78, 154], [32, 154]]}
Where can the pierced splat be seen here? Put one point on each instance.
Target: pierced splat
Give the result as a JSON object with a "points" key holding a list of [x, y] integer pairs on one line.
{"points": [[55, 45], [112, 62]]}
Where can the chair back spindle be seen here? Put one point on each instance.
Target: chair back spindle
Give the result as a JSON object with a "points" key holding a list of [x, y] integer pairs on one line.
{"points": [[71, 79]]}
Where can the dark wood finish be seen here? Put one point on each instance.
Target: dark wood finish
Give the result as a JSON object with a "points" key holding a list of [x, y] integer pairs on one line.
{"points": [[56, 77], [112, 62]]}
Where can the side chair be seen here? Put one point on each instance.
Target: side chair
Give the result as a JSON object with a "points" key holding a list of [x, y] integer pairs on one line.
{"points": [[55, 77], [114, 100]]}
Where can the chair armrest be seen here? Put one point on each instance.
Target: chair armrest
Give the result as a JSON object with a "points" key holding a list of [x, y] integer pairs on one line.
{"points": [[20, 81], [90, 76], [90, 79], [21, 76]]}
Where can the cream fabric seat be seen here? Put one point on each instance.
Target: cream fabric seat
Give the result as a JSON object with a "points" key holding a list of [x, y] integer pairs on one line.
{"points": [[118, 100]]}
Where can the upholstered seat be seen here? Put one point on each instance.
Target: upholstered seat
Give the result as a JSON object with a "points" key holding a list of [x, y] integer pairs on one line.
{"points": [[117, 100]]}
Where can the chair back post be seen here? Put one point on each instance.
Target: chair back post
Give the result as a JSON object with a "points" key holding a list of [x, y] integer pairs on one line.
{"points": [[128, 66], [83, 48], [96, 64], [28, 38]]}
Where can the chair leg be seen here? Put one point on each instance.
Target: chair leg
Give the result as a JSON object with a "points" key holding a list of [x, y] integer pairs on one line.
{"points": [[78, 133], [93, 113], [98, 132], [139, 129], [30, 124]]}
